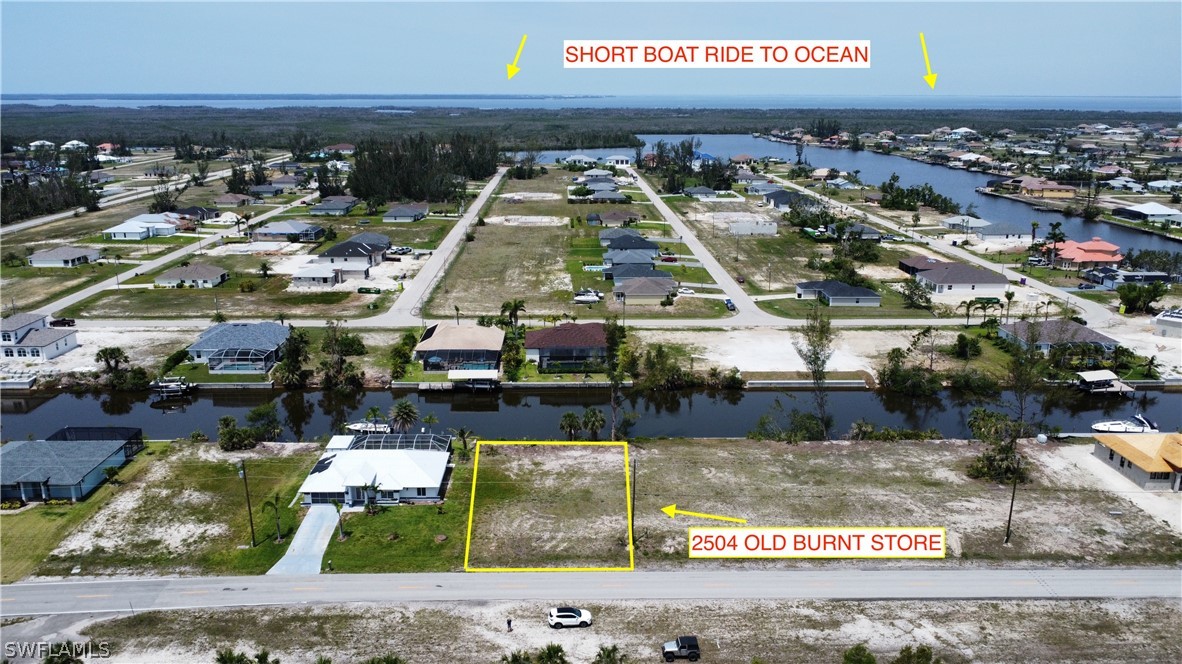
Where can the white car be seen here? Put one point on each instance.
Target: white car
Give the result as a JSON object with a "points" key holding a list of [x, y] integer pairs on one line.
{"points": [[685, 291], [586, 299], [565, 616]]}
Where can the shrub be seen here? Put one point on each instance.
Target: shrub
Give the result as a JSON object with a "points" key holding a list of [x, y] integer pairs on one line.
{"points": [[11, 505]]}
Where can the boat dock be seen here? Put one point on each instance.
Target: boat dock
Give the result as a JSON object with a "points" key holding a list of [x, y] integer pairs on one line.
{"points": [[436, 387]]}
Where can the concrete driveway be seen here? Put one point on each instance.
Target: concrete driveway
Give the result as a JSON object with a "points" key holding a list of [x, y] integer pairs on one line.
{"points": [[307, 547]]}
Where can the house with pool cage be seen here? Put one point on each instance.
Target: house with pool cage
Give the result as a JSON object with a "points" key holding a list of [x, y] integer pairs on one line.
{"points": [[387, 469], [245, 348]]}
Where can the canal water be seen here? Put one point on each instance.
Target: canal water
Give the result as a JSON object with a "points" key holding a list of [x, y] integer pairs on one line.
{"points": [[1006, 215], [521, 414]]}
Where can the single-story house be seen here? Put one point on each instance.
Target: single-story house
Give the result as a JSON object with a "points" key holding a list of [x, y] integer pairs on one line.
{"points": [[1028, 185], [63, 257], [602, 186], [785, 200], [631, 242], [1153, 213], [964, 223], [644, 290], [571, 345], [99, 177], [331, 208], [1055, 332], [407, 212], [618, 274], [1164, 185], [959, 277], [69, 465], [289, 182], [193, 275], [240, 347], [841, 183], [27, 336], [616, 218], [629, 256], [609, 197], [837, 294], [762, 188], [1113, 277], [317, 275], [400, 468], [1152, 461], [860, 231], [595, 173], [264, 190], [913, 265], [746, 177], [742, 158], [606, 236], [343, 148], [234, 200], [580, 160], [1072, 255], [753, 227], [617, 160], [198, 213], [283, 231], [144, 226], [701, 193], [1168, 324], [447, 345]]}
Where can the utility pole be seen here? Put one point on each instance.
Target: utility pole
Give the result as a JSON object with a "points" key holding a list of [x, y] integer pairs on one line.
{"points": [[1014, 491], [250, 513]]}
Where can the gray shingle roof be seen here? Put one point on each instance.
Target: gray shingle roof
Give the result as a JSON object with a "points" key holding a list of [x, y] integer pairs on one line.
{"points": [[62, 253], [832, 288], [622, 256], [407, 210], [372, 238], [17, 321], [646, 286], [286, 227], [241, 335], [61, 462], [631, 242], [332, 205], [613, 233], [959, 273], [43, 337], [700, 191], [608, 196], [628, 271], [1059, 331]]}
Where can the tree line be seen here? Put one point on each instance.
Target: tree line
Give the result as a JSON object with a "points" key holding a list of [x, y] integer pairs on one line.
{"points": [[421, 167]]}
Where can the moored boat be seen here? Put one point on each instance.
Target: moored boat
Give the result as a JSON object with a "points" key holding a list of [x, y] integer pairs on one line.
{"points": [[1137, 424]]}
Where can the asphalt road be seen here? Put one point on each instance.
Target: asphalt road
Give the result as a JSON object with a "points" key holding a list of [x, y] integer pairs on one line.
{"points": [[122, 595]]}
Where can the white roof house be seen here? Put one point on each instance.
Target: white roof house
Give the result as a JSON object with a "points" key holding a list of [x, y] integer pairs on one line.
{"points": [[964, 222], [1164, 185], [1154, 213], [41, 144], [74, 145], [580, 160], [144, 226], [402, 467]]}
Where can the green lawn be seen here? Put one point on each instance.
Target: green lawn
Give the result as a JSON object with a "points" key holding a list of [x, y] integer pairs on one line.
{"points": [[372, 547], [194, 492], [33, 287], [28, 537]]}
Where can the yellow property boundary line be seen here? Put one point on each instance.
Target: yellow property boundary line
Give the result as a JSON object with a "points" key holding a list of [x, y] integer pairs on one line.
{"points": [[627, 501]]}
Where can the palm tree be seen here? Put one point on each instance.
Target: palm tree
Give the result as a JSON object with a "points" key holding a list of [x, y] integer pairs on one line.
{"points": [[551, 654], [570, 424], [274, 505], [111, 357], [593, 422], [990, 327], [340, 523], [265, 269], [218, 317], [430, 419], [371, 497], [968, 309], [1033, 231], [1009, 301], [464, 437], [609, 655], [1055, 236], [228, 656], [519, 657], [457, 307], [1151, 367], [383, 659], [403, 415], [373, 414], [512, 309], [281, 317]]}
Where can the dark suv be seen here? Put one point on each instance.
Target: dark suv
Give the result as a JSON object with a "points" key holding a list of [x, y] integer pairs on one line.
{"points": [[63, 322]]}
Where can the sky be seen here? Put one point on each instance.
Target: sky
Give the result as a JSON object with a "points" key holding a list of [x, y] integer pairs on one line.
{"points": [[977, 48]]}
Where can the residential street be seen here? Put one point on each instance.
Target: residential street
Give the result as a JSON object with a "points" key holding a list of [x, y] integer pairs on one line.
{"points": [[837, 583]]}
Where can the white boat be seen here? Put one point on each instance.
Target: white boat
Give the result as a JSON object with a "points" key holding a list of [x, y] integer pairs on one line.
{"points": [[368, 427], [1138, 424]]}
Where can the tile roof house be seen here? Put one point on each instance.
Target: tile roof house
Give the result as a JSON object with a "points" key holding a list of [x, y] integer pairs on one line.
{"points": [[69, 465], [406, 212], [1055, 332], [403, 468], [446, 345], [282, 231], [643, 290], [958, 277], [837, 294], [1152, 461], [240, 347], [28, 337], [64, 257], [1072, 255], [571, 345], [193, 275], [1027, 185]]}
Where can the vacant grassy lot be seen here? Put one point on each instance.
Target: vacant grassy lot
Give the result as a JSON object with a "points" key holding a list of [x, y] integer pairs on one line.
{"points": [[186, 513], [269, 299], [27, 537], [550, 506], [731, 632], [1057, 516], [402, 538]]}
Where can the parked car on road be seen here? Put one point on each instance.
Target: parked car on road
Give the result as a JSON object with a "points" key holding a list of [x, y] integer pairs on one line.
{"points": [[685, 291], [63, 322], [566, 616]]}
